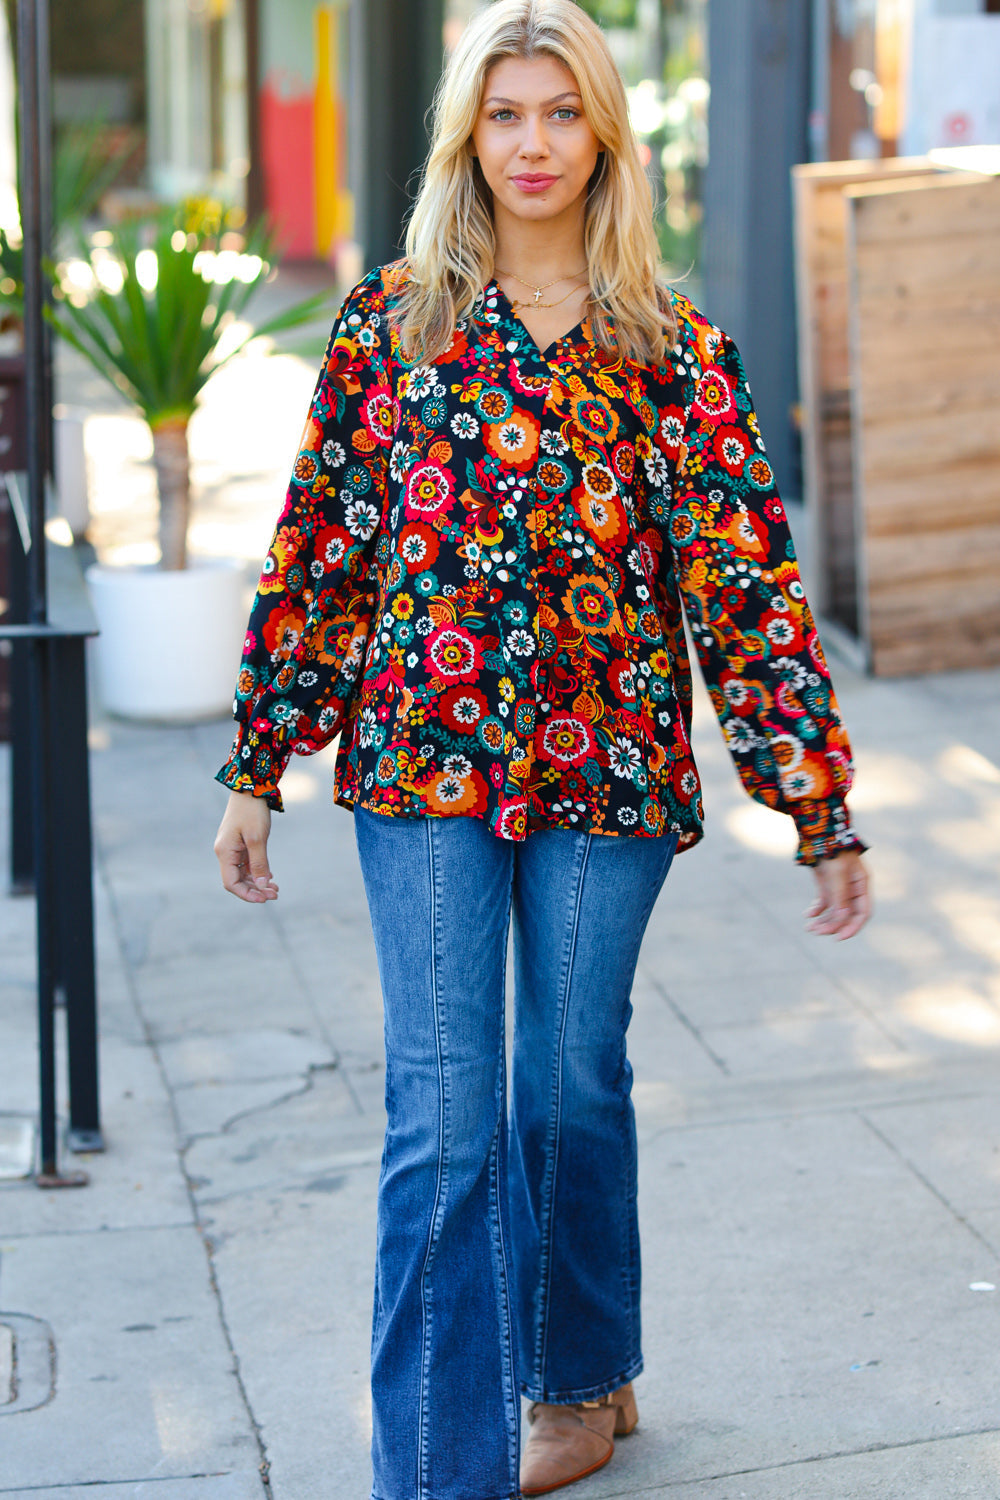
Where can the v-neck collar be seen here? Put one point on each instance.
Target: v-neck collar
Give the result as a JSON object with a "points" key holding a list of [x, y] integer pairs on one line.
{"points": [[579, 333]]}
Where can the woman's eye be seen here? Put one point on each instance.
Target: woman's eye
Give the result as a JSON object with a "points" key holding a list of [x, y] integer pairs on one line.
{"points": [[567, 112], [502, 115]]}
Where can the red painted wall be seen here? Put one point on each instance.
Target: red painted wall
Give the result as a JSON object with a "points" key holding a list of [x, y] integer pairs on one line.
{"points": [[286, 129]]}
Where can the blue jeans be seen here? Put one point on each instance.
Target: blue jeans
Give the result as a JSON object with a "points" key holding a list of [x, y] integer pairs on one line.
{"points": [[508, 1255]]}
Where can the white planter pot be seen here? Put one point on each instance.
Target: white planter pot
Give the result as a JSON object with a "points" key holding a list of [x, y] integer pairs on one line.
{"points": [[170, 643]]}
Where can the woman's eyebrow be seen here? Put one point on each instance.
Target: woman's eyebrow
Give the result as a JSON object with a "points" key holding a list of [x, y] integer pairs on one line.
{"points": [[569, 94]]}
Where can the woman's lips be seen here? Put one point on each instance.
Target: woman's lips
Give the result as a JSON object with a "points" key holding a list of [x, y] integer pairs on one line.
{"points": [[530, 183]]}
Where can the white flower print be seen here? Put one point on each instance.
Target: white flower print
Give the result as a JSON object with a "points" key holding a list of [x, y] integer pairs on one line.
{"points": [[361, 518], [521, 643], [553, 443], [423, 379], [398, 465], [367, 727], [457, 765], [333, 454], [740, 736], [624, 757], [656, 469], [465, 425], [790, 671], [672, 429]]}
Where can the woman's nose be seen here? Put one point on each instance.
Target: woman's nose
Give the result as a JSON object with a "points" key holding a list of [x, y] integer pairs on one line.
{"points": [[533, 142]]}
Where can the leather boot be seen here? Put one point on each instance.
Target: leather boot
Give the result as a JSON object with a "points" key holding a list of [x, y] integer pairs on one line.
{"points": [[567, 1442]]}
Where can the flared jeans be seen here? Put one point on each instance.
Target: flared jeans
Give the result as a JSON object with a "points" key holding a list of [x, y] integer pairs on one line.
{"points": [[508, 1249]]}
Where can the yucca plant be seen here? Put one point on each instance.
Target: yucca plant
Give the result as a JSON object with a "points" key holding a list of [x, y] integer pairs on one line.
{"points": [[147, 303]]}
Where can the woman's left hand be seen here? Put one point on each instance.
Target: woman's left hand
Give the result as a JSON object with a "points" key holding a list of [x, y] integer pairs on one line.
{"points": [[843, 903]]}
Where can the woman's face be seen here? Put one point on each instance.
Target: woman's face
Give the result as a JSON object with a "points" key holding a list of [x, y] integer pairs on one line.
{"points": [[534, 143]]}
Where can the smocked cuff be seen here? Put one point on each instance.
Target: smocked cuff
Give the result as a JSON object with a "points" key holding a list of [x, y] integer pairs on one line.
{"points": [[824, 830], [255, 764]]}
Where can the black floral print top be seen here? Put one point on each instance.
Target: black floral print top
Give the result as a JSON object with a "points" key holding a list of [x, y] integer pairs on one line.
{"points": [[477, 579]]}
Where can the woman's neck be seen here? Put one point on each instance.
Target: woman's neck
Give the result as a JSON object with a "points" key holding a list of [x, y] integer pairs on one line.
{"points": [[542, 251]]}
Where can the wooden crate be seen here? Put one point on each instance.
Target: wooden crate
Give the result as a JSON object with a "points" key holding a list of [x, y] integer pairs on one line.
{"points": [[821, 285], [924, 370]]}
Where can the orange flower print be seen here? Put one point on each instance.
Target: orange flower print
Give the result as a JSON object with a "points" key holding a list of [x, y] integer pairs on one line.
{"points": [[595, 418], [759, 472], [514, 440], [453, 793], [604, 516], [590, 602], [282, 630], [306, 468]]}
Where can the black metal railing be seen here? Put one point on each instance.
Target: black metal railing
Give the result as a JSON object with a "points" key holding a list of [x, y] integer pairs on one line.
{"points": [[47, 624]]}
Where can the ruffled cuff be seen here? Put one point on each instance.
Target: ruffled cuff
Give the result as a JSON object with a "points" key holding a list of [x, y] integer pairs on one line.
{"points": [[824, 829], [255, 764]]}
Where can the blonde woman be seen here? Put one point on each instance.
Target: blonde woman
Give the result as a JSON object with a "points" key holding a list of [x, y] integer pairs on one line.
{"points": [[523, 456]]}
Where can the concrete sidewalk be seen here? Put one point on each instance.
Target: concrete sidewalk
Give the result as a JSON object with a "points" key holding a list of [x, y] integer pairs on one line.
{"points": [[819, 1125]]}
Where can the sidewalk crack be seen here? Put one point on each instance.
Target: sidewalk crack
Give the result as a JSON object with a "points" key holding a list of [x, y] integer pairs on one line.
{"points": [[686, 1022], [795, 1463], [926, 1182], [189, 1185]]}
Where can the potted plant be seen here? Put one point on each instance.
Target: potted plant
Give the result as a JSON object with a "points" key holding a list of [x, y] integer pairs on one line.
{"points": [[160, 296]]}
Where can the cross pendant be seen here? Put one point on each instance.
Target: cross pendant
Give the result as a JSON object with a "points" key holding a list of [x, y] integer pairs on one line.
{"points": [[538, 294]]}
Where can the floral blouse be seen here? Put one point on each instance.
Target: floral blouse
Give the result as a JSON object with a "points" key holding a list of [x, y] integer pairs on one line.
{"points": [[477, 581]]}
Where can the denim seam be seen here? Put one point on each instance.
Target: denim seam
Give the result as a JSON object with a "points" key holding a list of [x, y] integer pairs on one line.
{"points": [[441, 1183], [512, 1404], [549, 1187], [631, 1259]]}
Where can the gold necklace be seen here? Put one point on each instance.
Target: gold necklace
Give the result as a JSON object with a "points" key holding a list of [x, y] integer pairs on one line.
{"points": [[538, 290], [515, 305]]}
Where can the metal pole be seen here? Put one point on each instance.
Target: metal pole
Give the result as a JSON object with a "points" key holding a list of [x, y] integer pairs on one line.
{"points": [[33, 128], [30, 128], [46, 209]]}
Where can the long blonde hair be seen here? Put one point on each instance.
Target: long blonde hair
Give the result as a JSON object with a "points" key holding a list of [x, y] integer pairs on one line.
{"points": [[450, 239]]}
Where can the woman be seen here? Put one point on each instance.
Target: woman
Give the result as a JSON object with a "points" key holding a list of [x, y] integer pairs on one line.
{"points": [[521, 456]]}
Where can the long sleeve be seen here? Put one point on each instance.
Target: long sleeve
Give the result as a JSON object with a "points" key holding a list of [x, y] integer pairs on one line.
{"points": [[735, 565], [305, 641]]}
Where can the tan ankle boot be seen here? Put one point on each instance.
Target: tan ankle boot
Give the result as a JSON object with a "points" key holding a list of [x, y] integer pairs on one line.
{"points": [[566, 1443]]}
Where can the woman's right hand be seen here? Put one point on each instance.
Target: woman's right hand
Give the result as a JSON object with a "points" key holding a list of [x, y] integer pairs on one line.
{"points": [[241, 848]]}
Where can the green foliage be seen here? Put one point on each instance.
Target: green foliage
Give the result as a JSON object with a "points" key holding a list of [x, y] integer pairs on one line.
{"points": [[152, 318], [83, 169], [11, 275], [86, 163]]}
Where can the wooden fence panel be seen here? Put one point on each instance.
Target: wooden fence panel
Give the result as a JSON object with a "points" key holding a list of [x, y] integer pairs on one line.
{"points": [[924, 340], [821, 281]]}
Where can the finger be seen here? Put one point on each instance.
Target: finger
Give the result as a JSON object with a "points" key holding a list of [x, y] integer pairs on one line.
{"points": [[845, 920], [857, 916], [260, 870], [234, 867]]}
